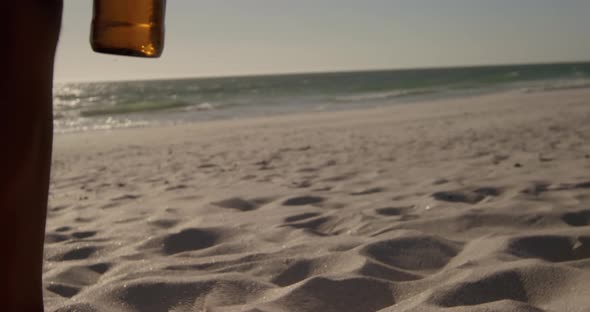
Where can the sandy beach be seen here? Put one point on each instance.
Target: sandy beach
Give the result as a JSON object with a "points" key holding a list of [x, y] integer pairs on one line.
{"points": [[472, 204]]}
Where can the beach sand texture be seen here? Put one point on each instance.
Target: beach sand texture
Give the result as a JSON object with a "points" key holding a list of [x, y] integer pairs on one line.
{"points": [[474, 204]]}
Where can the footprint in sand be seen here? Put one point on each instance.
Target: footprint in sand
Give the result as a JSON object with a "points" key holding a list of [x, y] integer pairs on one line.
{"points": [[52, 238], [188, 240], [164, 223], [578, 218], [552, 248], [64, 290], [491, 288], [416, 253], [392, 211], [467, 196], [100, 268], [303, 200], [241, 204], [313, 224], [342, 294], [77, 254], [63, 229], [583, 185], [58, 208], [72, 280], [459, 197], [126, 197], [83, 235], [368, 191]]}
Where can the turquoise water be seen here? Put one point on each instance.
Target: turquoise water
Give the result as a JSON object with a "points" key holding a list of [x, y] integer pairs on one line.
{"points": [[106, 105]]}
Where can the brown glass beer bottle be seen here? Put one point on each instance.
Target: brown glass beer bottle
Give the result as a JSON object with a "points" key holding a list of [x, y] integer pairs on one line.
{"points": [[129, 27]]}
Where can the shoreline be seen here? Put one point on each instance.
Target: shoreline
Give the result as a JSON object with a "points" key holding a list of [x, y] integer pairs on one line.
{"points": [[414, 109], [385, 107], [95, 106]]}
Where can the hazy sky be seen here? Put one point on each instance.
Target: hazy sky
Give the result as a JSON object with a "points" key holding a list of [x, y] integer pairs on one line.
{"points": [[228, 37]]}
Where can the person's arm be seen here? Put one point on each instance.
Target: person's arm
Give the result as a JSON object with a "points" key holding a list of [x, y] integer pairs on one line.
{"points": [[29, 31]]}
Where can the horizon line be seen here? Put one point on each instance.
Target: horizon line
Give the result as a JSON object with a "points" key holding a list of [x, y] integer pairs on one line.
{"points": [[343, 71]]}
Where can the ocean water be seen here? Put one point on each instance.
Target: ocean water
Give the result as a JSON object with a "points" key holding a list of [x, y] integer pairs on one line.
{"points": [[107, 105]]}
